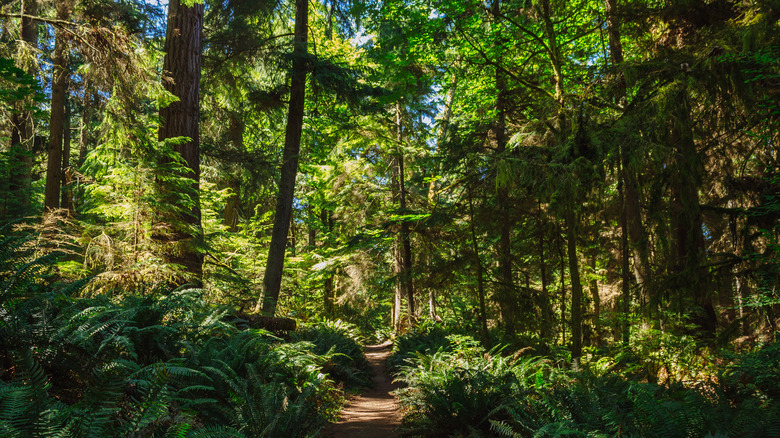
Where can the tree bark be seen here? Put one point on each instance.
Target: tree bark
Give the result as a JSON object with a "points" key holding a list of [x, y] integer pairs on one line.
{"points": [[403, 243], [183, 58], [90, 103], [625, 299], [232, 203], [398, 292], [576, 289], [562, 277], [685, 210], [631, 226], [59, 91], [67, 189], [593, 287], [272, 280], [443, 132], [506, 295], [545, 328], [480, 281]]}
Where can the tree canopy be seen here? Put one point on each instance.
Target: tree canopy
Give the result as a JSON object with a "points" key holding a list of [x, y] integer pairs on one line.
{"points": [[589, 179]]}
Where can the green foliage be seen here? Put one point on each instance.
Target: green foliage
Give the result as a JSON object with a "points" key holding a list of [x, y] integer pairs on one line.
{"points": [[17, 86], [463, 390], [160, 365], [341, 343], [422, 339], [467, 391]]}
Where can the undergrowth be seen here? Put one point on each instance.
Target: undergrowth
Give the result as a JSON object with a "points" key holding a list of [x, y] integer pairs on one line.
{"points": [[162, 365], [342, 344], [456, 387]]}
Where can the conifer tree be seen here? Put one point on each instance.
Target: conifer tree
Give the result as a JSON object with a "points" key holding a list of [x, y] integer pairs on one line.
{"points": [[272, 280], [180, 119], [22, 133], [57, 124]]}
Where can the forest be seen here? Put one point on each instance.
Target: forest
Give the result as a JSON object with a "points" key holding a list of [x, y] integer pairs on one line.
{"points": [[563, 214]]}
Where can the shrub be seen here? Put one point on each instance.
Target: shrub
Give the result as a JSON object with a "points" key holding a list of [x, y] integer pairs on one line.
{"points": [[462, 390], [165, 365], [340, 342]]}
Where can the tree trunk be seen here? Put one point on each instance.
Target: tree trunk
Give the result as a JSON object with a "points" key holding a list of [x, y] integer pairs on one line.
{"points": [[685, 210], [312, 230], [480, 280], [562, 261], [402, 240], [398, 291], [631, 226], [22, 133], [593, 287], [576, 289], [181, 67], [506, 295], [59, 91], [625, 299], [443, 132], [232, 203], [67, 189], [90, 103], [272, 281], [545, 328]]}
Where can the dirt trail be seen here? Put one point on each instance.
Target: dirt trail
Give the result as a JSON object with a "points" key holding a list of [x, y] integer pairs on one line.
{"points": [[374, 413]]}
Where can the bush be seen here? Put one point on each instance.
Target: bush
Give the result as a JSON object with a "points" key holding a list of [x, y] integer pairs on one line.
{"points": [[462, 389], [423, 339], [341, 344], [130, 366]]}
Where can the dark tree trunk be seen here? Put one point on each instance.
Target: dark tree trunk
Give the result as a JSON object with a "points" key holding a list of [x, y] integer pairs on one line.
{"points": [[272, 281], [631, 225], [545, 328], [232, 203], [625, 299], [686, 213], [181, 70], [59, 91], [576, 289], [329, 298], [67, 189], [480, 280], [90, 103], [403, 243], [22, 134], [443, 132], [593, 287], [562, 261], [506, 296]]}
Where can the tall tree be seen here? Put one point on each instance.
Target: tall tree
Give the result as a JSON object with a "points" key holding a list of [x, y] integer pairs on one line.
{"points": [[272, 280], [181, 77], [403, 244], [59, 91], [506, 295]]}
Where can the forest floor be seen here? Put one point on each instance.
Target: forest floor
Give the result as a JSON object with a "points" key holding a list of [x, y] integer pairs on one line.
{"points": [[374, 413]]}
